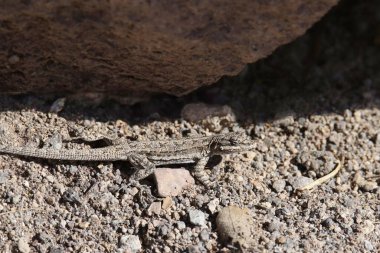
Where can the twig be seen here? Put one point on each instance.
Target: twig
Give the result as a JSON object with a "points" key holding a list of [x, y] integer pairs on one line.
{"points": [[323, 179]]}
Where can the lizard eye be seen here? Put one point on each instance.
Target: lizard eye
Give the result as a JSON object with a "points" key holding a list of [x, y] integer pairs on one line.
{"points": [[234, 141]]}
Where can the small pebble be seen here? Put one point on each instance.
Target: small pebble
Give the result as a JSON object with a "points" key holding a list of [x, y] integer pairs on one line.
{"points": [[73, 169], [197, 218], [328, 223], [358, 116], [204, 235], [273, 226], [43, 237], [83, 225], [194, 249], [4, 176], [181, 225], [368, 245], [279, 185], [167, 203], [26, 184], [171, 182], [199, 111], [50, 200], [283, 120], [364, 184], [23, 245], [154, 208], [15, 199], [131, 243], [368, 227], [54, 142], [281, 240], [56, 250], [163, 230], [58, 105], [377, 140], [71, 196], [212, 205], [299, 182], [14, 59]]}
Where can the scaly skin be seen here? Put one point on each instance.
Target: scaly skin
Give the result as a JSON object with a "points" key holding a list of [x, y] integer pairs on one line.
{"points": [[149, 154]]}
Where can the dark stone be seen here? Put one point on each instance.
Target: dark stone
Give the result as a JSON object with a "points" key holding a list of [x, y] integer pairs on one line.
{"points": [[140, 47]]}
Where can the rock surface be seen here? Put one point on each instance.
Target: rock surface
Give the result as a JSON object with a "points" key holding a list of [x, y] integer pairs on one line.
{"points": [[234, 225], [140, 47], [171, 182]]}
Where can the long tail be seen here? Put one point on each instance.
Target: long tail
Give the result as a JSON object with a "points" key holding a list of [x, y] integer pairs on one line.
{"points": [[98, 154]]}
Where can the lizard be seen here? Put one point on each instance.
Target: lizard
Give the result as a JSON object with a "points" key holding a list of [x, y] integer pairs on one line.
{"points": [[145, 156]]}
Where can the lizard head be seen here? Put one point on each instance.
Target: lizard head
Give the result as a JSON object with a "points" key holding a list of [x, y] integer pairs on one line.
{"points": [[230, 143]]}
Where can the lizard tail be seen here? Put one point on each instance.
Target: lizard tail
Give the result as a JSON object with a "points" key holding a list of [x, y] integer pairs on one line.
{"points": [[99, 154]]}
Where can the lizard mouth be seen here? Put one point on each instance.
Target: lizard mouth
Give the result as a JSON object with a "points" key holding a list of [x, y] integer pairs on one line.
{"points": [[236, 148]]}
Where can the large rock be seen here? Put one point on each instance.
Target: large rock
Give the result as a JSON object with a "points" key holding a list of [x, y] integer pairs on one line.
{"points": [[141, 46]]}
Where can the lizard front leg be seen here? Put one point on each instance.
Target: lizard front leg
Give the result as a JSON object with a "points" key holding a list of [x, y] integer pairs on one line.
{"points": [[144, 168]]}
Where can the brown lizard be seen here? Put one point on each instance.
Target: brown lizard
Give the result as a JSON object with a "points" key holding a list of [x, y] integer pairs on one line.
{"points": [[146, 155]]}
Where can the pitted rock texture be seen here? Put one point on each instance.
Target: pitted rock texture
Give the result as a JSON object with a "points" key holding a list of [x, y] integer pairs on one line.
{"points": [[140, 47]]}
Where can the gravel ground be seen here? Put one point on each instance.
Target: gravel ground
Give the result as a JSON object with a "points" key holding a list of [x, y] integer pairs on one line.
{"points": [[310, 105]]}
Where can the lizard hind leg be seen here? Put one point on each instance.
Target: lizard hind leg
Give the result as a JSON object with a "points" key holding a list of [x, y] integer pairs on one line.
{"points": [[200, 173]]}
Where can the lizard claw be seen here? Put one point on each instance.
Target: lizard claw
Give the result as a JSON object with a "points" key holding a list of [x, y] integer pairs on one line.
{"points": [[145, 196]]}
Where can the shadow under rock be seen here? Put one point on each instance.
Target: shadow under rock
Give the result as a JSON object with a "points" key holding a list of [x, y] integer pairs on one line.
{"points": [[333, 67]]}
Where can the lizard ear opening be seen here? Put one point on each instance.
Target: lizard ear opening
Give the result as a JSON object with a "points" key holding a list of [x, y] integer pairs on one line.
{"points": [[214, 145], [235, 140]]}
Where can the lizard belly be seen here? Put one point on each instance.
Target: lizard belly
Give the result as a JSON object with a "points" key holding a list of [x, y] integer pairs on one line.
{"points": [[172, 157], [158, 161]]}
